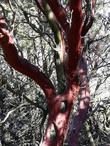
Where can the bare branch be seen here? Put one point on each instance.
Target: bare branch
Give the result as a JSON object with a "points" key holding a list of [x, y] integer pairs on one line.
{"points": [[21, 64], [89, 14], [60, 14], [11, 112], [74, 38]]}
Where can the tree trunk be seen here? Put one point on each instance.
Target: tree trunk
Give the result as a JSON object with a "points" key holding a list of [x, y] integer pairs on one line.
{"points": [[68, 37]]}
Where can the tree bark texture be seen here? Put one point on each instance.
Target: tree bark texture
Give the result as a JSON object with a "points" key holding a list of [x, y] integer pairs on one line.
{"points": [[70, 38]]}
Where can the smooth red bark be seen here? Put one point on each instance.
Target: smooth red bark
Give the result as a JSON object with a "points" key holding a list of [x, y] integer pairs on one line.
{"points": [[74, 40], [84, 103], [21, 64], [73, 44], [59, 105], [60, 14], [58, 118]]}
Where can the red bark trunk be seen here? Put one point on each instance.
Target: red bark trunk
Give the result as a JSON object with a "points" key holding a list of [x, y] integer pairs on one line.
{"points": [[59, 111], [59, 105], [84, 103]]}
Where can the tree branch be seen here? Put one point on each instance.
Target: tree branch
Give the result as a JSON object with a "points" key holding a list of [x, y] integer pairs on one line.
{"points": [[21, 64], [39, 4], [11, 112], [46, 10], [74, 37], [59, 13], [84, 102], [90, 4]]}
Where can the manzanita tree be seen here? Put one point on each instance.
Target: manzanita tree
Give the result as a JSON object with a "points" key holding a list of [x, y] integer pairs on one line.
{"points": [[70, 21]]}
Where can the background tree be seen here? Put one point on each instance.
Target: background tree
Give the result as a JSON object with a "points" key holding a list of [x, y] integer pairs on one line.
{"points": [[28, 29]]}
